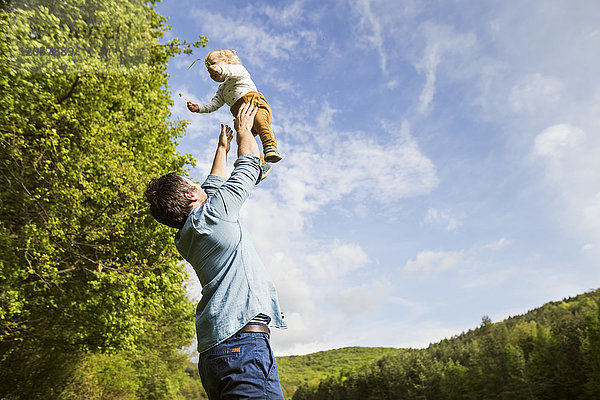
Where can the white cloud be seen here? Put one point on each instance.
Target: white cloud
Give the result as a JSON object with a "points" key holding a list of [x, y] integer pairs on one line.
{"points": [[337, 260], [289, 15], [372, 30], [204, 125], [535, 91], [324, 165], [192, 284], [428, 65], [319, 171], [301, 337], [558, 140], [281, 85], [570, 173], [442, 218], [441, 41], [401, 333], [428, 262], [255, 41], [498, 244], [392, 84], [411, 306], [362, 299]]}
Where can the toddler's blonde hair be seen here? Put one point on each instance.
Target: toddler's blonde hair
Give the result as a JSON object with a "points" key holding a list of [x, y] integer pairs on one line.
{"points": [[229, 56]]}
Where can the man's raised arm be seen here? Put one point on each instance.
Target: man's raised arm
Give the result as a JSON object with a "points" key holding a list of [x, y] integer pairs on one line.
{"points": [[219, 166], [233, 192]]}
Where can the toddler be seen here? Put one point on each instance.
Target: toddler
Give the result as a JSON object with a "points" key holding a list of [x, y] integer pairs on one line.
{"points": [[237, 88]]}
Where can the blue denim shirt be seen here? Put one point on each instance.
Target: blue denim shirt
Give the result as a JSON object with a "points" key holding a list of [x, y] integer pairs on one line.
{"points": [[235, 284]]}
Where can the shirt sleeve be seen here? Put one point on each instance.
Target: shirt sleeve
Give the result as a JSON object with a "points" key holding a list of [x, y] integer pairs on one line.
{"points": [[213, 105], [237, 188], [234, 71], [212, 184]]}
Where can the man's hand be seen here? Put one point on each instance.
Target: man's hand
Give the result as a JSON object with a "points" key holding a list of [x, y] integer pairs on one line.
{"points": [[225, 137], [193, 107], [245, 118], [243, 126]]}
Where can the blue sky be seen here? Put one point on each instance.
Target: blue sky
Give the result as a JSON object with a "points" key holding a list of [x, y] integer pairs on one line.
{"points": [[440, 162]]}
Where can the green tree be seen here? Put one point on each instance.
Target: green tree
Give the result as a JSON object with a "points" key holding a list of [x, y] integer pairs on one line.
{"points": [[84, 124], [454, 384], [590, 349], [518, 385]]}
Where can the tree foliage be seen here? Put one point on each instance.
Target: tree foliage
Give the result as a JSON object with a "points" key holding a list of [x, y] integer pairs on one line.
{"points": [[85, 272]]}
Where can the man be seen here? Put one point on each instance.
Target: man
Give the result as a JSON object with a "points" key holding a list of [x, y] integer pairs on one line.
{"points": [[239, 299]]}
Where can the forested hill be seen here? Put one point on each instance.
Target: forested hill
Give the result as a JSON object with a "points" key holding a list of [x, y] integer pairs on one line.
{"points": [[310, 369], [552, 352]]}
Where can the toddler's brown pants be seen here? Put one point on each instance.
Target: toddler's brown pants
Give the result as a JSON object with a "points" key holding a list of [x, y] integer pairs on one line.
{"points": [[263, 119]]}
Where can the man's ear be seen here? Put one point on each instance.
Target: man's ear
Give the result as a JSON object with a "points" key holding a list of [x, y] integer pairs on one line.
{"points": [[191, 196]]}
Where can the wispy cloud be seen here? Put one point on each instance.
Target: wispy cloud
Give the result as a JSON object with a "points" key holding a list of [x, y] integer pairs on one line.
{"points": [[568, 157], [557, 141], [507, 101], [441, 41], [361, 299], [476, 258], [372, 30], [498, 244], [254, 40], [429, 262], [534, 91], [325, 167], [428, 66], [337, 260], [438, 217], [290, 14]]}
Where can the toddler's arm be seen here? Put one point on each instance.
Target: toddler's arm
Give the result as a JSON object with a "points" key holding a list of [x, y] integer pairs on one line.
{"points": [[213, 105]]}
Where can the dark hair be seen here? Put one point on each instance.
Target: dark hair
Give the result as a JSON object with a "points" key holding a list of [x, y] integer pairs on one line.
{"points": [[168, 205]]}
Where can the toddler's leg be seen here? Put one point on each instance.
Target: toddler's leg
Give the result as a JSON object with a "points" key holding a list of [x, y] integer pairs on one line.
{"points": [[262, 129], [262, 125]]}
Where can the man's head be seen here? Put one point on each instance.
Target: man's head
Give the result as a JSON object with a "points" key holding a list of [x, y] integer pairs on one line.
{"points": [[172, 197]]}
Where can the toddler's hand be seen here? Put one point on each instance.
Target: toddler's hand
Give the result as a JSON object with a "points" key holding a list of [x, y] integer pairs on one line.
{"points": [[214, 69], [193, 107]]}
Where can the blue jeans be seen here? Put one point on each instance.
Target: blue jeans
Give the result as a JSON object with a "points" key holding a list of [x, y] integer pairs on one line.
{"points": [[242, 367]]}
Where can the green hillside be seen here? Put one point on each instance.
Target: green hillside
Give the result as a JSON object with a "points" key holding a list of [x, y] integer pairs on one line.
{"points": [[310, 369], [552, 352]]}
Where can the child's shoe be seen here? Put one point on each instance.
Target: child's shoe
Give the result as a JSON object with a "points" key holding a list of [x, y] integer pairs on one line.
{"points": [[266, 170], [271, 154]]}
